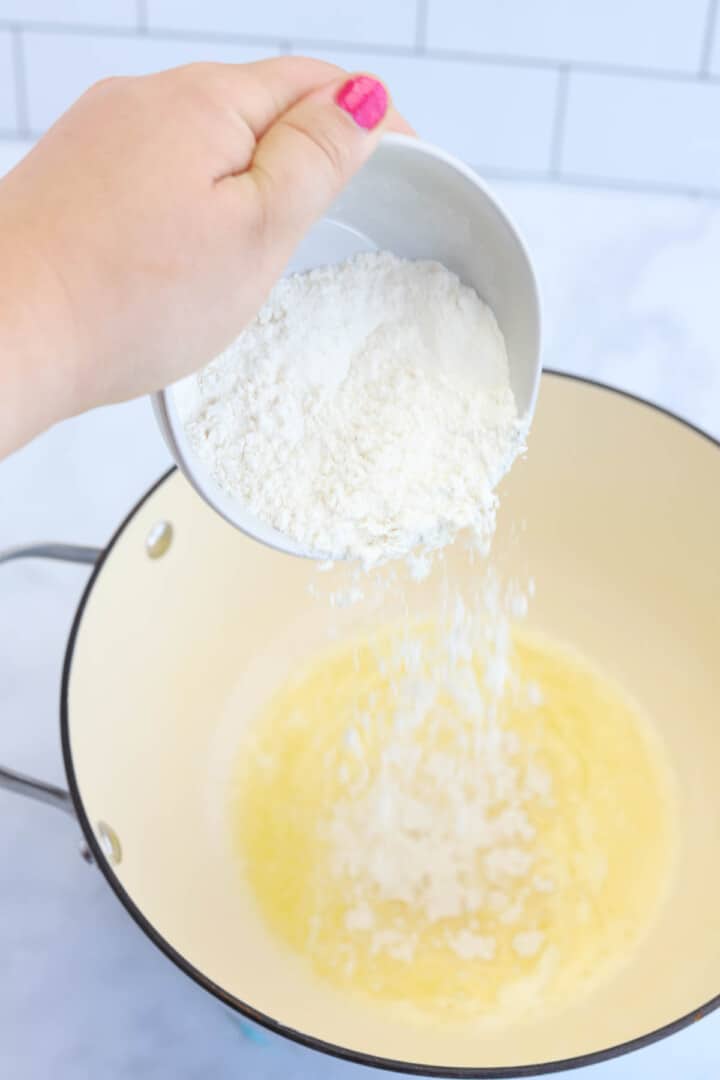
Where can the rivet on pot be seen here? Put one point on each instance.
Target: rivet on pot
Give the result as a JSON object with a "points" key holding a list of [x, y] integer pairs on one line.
{"points": [[86, 854], [159, 539], [109, 843]]}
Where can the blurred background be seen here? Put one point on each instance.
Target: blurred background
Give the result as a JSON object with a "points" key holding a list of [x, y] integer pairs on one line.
{"points": [[597, 122], [612, 92]]}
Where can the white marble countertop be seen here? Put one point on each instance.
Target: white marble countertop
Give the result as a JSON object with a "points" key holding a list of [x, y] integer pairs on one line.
{"points": [[630, 289]]}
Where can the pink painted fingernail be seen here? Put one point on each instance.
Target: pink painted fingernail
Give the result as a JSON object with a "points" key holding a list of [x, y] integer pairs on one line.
{"points": [[365, 99]]}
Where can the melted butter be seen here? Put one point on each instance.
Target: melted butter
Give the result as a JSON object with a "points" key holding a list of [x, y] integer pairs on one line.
{"points": [[596, 832]]}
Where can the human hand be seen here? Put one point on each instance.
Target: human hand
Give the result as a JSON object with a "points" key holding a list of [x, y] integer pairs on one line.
{"points": [[148, 225]]}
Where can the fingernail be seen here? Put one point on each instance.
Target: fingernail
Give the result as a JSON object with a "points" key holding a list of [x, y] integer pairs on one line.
{"points": [[365, 99]]}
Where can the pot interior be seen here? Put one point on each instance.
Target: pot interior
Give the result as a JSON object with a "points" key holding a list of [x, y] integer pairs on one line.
{"points": [[171, 654]]}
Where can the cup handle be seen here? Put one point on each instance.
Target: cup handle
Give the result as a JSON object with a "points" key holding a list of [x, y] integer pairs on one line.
{"points": [[11, 780]]}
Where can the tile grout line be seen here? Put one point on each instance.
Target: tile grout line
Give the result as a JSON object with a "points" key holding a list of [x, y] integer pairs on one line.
{"points": [[141, 16], [537, 63], [558, 135], [708, 41], [639, 187], [421, 21], [491, 59], [14, 135], [22, 118], [156, 33]]}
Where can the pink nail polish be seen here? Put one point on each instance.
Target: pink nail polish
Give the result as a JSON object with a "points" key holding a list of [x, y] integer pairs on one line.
{"points": [[365, 99]]}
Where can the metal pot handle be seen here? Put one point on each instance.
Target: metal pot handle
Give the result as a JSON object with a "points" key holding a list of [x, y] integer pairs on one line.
{"points": [[9, 779]]}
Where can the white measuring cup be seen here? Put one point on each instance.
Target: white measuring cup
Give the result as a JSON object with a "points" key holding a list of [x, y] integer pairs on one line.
{"points": [[417, 201]]}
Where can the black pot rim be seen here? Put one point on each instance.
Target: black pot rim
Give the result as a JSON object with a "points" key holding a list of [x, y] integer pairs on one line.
{"points": [[247, 1011]]}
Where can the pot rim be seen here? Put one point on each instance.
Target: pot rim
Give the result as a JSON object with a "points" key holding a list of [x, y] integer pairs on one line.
{"points": [[357, 1057]]}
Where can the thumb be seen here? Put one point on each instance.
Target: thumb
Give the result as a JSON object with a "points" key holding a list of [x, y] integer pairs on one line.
{"points": [[308, 155]]}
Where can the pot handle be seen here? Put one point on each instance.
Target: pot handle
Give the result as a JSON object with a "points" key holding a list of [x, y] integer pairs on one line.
{"points": [[9, 779]]}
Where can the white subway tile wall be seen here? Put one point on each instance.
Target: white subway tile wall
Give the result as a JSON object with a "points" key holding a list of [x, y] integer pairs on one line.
{"points": [[71, 12], [714, 52], [627, 33], [625, 92], [495, 116], [8, 106], [59, 67], [374, 22], [629, 129]]}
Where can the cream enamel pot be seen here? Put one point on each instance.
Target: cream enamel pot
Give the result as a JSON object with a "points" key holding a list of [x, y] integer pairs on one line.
{"points": [[182, 614]]}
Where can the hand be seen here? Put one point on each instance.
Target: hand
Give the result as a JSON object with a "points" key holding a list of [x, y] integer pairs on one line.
{"points": [[147, 227]]}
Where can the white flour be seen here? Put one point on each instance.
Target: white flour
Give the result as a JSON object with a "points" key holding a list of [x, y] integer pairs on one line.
{"points": [[451, 792], [367, 409]]}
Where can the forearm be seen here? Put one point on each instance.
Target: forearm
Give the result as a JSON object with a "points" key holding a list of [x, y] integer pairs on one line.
{"points": [[37, 372]]}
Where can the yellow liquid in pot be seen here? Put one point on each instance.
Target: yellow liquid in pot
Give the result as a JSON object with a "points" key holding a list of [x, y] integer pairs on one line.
{"points": [[597, 849]]}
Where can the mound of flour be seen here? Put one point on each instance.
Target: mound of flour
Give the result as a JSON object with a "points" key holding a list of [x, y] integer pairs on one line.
{"points": [[366, 411]]}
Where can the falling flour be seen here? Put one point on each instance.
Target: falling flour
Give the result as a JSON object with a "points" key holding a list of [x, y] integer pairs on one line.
{"points": [[366, 412], [431, 827]]}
